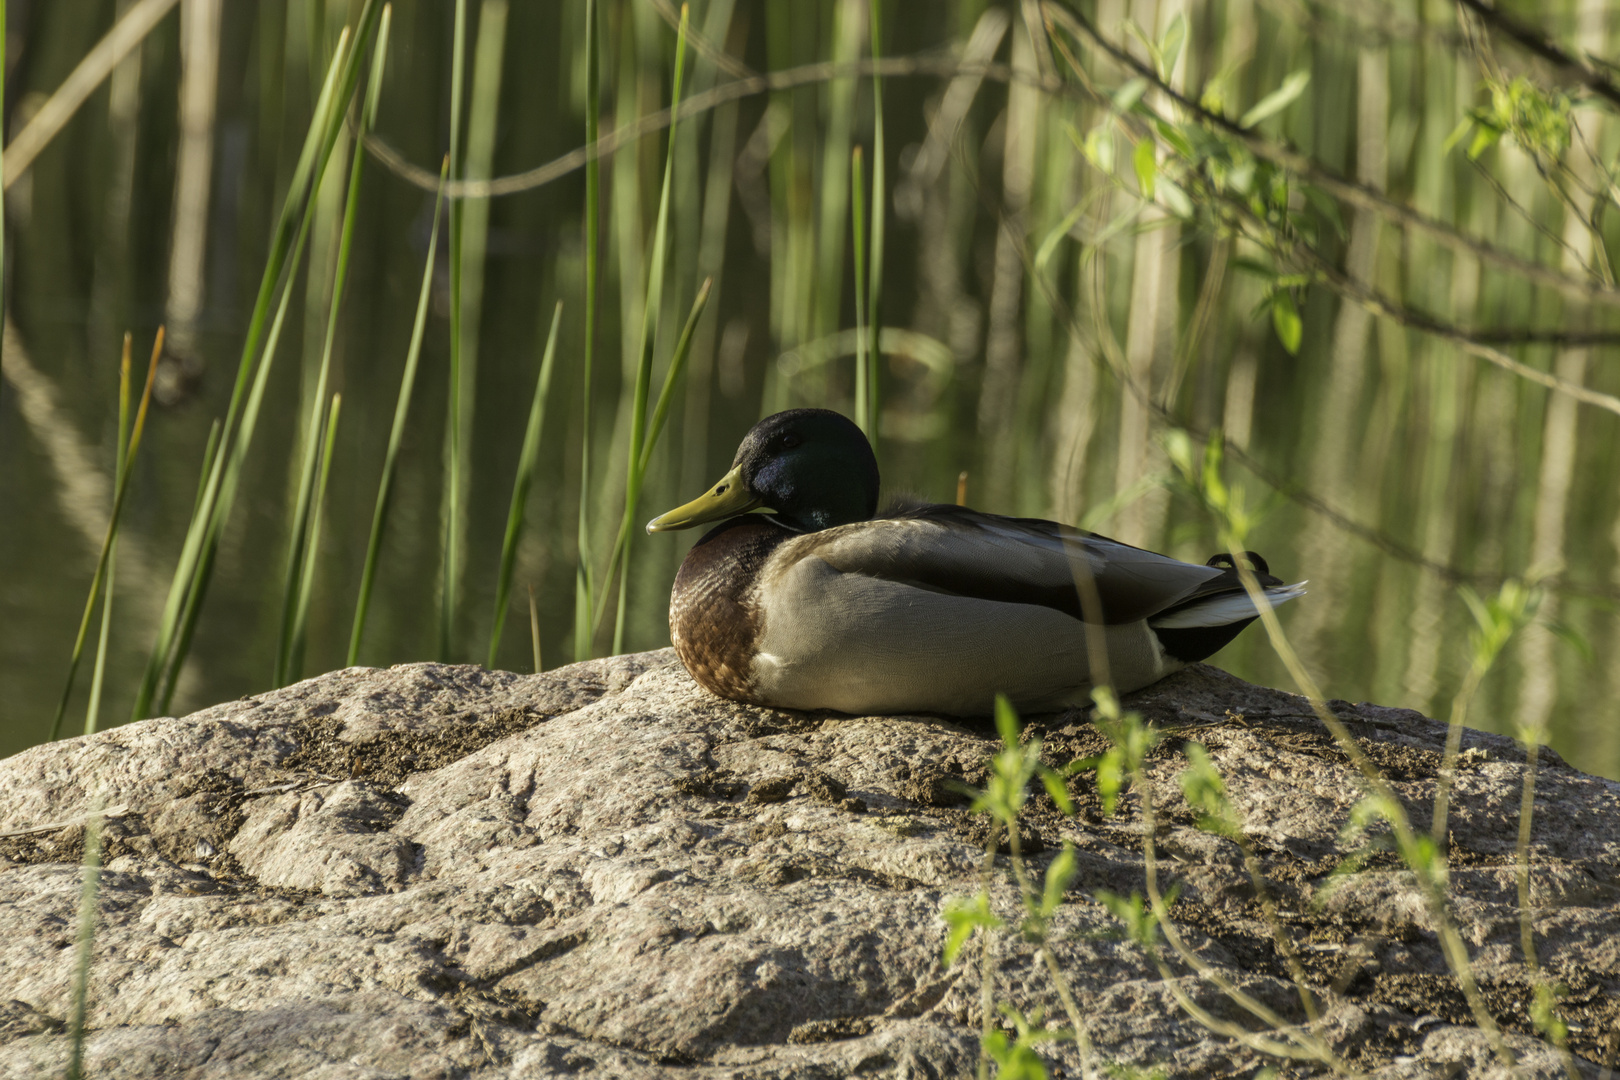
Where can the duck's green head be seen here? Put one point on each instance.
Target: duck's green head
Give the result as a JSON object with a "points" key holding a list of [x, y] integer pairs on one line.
{"points": [[812, 466]]}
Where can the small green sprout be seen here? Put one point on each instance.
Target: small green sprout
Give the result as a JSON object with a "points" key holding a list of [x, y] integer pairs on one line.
{"points": [[1547, 1022], [1131, 737], [1538, 120], [1141, 925], [1015, 1058], [964, 915], [1205, 792]]}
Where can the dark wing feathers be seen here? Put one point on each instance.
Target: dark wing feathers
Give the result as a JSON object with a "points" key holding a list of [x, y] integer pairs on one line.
{"points": [[1013, 560]]}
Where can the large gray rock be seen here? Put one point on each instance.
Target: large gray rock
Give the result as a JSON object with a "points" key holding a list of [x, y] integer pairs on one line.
{"points": [[603, 871]]}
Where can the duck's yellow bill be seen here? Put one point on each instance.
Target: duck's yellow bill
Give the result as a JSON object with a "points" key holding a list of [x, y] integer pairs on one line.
{"points": [[727, 498]]}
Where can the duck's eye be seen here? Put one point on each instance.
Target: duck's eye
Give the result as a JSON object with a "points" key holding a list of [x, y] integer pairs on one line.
{"points": [[788, 442]]}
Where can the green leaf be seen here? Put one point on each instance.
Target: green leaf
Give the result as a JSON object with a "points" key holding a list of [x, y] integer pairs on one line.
{"points": [[1060, 793], [1325, 205], [1205, 792], [1043, 254], [1100, 148], [1177, 141], [1484, 139], [964, 916], [1175, 199], [1574, 639], [1141, 925], [1170, 45], [1543, 1016], [1253, 266], [1006, 722], [1285, 318], [1126, 97], [1014, 1061], [1278, 100], [1110, 778], [1147, 166], [1457, 133], [1058, 878]]}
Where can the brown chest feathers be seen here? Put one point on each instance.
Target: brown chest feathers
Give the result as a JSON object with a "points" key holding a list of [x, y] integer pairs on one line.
{"points": [[714, 620]]}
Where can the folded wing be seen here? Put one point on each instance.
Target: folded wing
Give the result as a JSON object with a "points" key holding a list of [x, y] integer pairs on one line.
{"points": [[962, 552]]}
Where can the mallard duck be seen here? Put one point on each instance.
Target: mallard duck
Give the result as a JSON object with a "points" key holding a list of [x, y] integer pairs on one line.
{"points": [[826, 604]]}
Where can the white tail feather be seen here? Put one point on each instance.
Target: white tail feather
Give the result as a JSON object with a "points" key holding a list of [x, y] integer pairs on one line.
{"points": [[1224, 609]]}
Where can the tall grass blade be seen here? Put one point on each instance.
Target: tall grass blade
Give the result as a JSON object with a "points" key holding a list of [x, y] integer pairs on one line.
{"points": [[299, 540], [666, 397], [346, 63], [874, 276], [677, 365], [129, 441], [312, 549], [649, 336], [839, 114], [520, 487], [584, 582], [3, 67], [221, 493], [857, 204], [210, 448], [98, 675], [192, 573], [450, 504], [396, 434], [127, 438], [227, 467], [85, 953], [486, 93], [98, 671], [534, 631]]}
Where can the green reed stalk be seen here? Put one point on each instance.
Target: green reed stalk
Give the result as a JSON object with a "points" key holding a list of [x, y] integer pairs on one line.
{"points": [[326, 126], [717, 188], [520, 487], [129, 441], [584, 583], [874, 276], [666, 397], [863, 381], [306, 576], [210, 448], [634, 471], [225, 485], [92, 712], [781, 169], [839, 114], [534, 630], [86, 950], [473, 243], [300, 538], [396, 434], [677, 365], [98, 671], [226, 473], [3, 67], [450, 506], [202, 536]]}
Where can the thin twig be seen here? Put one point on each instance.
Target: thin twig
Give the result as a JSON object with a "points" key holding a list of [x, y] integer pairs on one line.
{"points": [[1538, 44], [1350, 191]]}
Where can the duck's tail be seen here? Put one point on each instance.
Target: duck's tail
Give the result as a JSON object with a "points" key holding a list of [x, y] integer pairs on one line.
{"points": [[1223, 609]]}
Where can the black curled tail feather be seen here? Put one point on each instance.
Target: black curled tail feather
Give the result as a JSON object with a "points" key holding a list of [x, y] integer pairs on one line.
{"points": [[1191, 644]]}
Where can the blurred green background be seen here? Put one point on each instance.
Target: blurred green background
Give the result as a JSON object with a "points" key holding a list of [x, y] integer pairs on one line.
{"points": [[1434, 198]]}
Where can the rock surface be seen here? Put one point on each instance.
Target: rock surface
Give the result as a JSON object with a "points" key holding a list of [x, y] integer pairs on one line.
{"points": [[603, 871]]}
